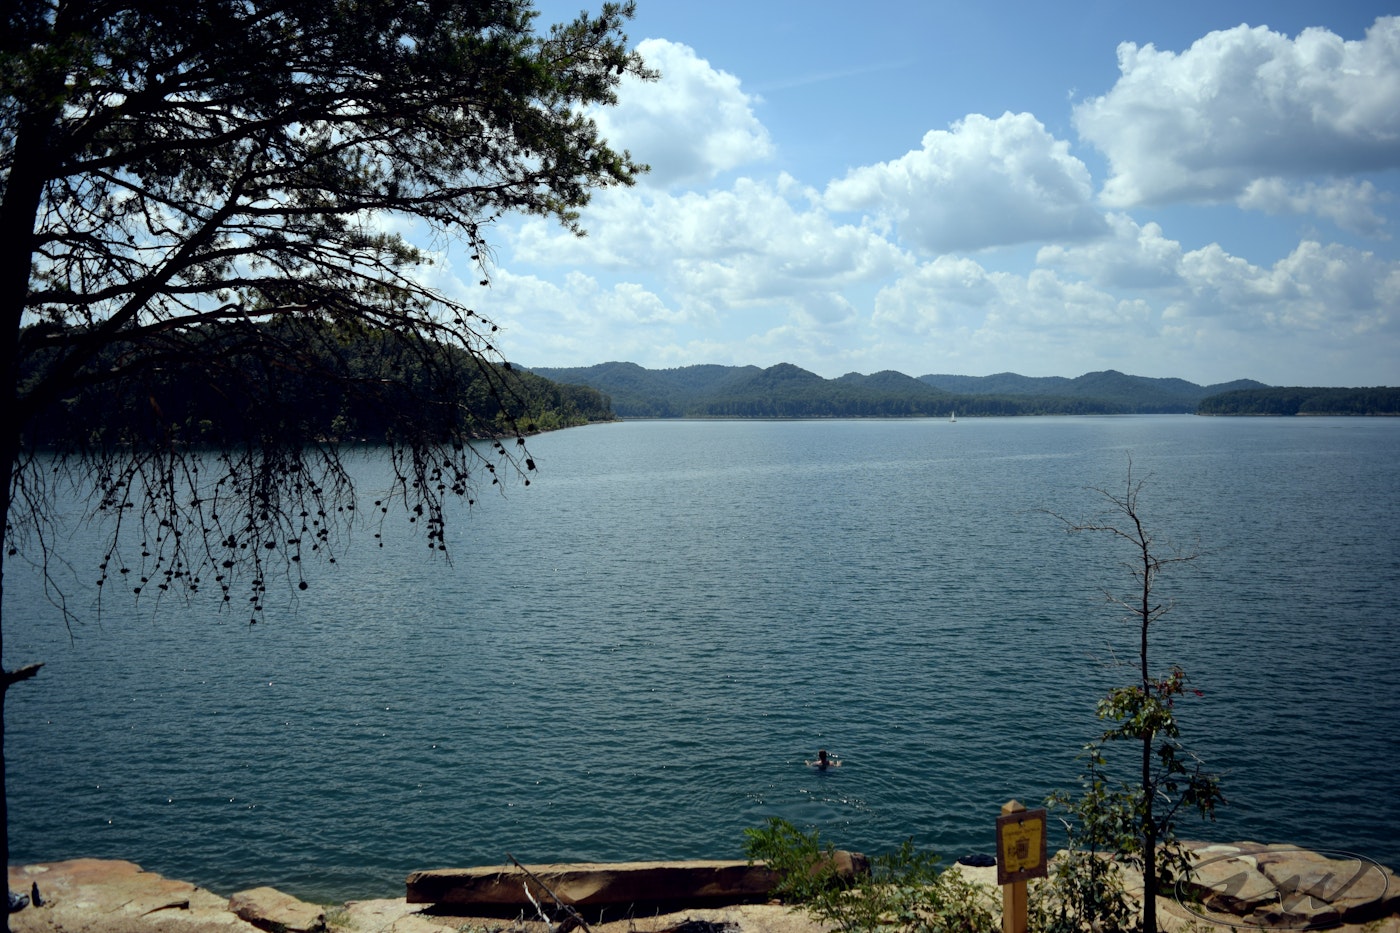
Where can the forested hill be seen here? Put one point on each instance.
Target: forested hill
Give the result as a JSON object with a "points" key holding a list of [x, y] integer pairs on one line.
{"points": [[1297, 400], [787, 391], [297, 380]]}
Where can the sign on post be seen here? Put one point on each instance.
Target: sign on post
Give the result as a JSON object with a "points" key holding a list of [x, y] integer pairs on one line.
{"points": [[1020, 857], [1021, 845]]}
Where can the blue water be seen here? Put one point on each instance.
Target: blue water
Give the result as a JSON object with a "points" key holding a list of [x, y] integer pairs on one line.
{"points": [[632, 657]]}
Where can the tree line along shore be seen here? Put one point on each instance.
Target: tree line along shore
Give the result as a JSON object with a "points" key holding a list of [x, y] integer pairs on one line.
{"points": [[787, 391], [374, 376]]}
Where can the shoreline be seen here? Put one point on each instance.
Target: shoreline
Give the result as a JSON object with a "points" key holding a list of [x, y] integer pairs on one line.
{"points": [[1268, 886]]}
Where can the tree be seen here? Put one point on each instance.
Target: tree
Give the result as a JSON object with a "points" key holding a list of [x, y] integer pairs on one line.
{"points": [[1134, 820], [213, 187]]}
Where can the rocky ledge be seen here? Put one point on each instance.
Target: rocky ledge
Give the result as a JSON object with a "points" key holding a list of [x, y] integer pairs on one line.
{"points": [[645, 885], [1285, 887], [1235, 887], [1248, 886], [97, 896]]}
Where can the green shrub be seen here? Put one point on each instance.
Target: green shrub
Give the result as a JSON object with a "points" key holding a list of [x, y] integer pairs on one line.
{"points": [[903, 891]]}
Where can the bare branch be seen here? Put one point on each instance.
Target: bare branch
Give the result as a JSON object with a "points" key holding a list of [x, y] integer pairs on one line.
{"points": [[575, 919]]}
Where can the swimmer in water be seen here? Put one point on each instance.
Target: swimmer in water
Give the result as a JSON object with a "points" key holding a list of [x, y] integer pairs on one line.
{"points": [[823, 761]]}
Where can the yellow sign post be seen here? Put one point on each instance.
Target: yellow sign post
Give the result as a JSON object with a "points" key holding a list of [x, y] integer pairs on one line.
{"points": [[1020, 857]]}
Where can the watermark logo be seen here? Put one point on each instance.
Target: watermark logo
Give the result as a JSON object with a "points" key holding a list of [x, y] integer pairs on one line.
{"points": [[1283, 888]]}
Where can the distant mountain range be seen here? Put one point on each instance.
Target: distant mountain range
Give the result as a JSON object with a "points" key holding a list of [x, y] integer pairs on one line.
{"points": [[787, 391]]}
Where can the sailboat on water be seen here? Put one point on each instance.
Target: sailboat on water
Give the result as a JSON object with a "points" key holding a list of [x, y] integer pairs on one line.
{"points": [[953, 417]]}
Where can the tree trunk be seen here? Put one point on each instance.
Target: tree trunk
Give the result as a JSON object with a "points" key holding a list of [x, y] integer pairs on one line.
{"points": [[1149, 792], [4, 813], [7, 471], [8, 678], [17, 213], [1149, 845], [30, 168]]}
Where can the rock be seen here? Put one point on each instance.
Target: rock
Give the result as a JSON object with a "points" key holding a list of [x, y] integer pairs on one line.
{"points": [[380, 914], [113, 885], [594, 885], [1310, 915], [978, 860], [1231, 883], [270, 909], [983, 875], [1312, 883], [740, 918], [1285, 887], [849, 864], [83, 895], [1310, 890]]}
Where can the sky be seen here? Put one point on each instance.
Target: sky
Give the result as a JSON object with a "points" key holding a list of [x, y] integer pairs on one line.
{"points": [[1196, 190]]}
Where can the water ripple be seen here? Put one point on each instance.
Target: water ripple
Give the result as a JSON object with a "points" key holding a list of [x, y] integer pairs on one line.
{"points": [[633, 658]]}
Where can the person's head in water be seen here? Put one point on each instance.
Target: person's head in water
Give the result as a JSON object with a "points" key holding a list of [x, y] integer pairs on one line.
{"points": [[821, 757]]}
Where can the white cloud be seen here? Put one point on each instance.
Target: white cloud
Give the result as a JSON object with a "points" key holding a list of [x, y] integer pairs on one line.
{"points": [[690, 125], [1133, 257], [953, 295], [948, 295], [1208, 314], [953, 315], [757, 259], [759, 273], [753, 242], [1325, 289], [984, 183], [1330, 293], [1246, 104], [1348, 204], [576, 319]]}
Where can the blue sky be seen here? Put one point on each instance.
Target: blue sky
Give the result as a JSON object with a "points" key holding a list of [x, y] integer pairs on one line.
{"points": [[1203, 190]]}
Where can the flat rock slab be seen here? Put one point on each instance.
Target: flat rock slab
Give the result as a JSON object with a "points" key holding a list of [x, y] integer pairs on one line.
{"points": [[82, 895], [398, 916], [1286, 887], [594, 884], [270, 909]]}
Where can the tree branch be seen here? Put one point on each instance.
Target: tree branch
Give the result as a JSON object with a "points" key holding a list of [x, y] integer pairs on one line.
{"points": [[10, 678]]}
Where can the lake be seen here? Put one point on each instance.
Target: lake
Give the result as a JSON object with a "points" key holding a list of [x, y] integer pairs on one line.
{"points": [[632, 657]]}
